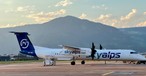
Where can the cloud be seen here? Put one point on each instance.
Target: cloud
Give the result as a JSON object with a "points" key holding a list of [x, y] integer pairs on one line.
{"points": [[144, 13], [130, 15], [7, 25], [142, 23], [12, 25], [20, 9], [28, 9], [106, 19], [8, 2], [101, 7], [44, 17], [49, 6], [103, 17], [64, 3], [9, 10], [83, 15], [130, 20]]}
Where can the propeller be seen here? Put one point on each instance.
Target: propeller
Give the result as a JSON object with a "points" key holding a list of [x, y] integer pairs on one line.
{"points": [[100, 47], [93, 51]]}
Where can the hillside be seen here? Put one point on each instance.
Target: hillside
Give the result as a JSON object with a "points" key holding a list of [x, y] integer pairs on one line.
{"points": [[69, 31], [138, 34]]}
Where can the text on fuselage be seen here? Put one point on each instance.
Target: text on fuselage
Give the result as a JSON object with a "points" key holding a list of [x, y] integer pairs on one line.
{"points": [[108, 55]]}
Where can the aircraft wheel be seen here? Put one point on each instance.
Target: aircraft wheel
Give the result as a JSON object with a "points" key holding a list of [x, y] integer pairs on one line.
{"points": [[82, 62], [143, 62], [73, 63], [44, 63], [139, 62]]}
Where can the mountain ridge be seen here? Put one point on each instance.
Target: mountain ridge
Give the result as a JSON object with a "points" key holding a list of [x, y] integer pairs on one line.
{"points": [[72, 31]]}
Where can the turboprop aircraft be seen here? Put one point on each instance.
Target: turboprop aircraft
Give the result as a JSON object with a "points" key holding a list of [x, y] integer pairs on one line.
{"points": [[112, 54], [68, 52], [50, 55]]}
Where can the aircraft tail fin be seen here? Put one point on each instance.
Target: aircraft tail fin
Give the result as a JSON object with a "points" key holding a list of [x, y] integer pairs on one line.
{"points": [[25, 44]]}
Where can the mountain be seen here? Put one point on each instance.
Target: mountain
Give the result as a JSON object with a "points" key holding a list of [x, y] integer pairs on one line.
{"points": [[71, 31], [138, 34]]}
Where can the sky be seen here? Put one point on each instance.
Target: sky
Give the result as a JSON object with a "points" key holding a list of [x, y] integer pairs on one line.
{"points": [[116, 13]]}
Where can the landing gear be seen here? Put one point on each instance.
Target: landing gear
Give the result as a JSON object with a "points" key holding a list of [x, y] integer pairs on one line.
{"points": [[140, 62], [83, 62], [44, 63], [50, 62], [73, 63]]}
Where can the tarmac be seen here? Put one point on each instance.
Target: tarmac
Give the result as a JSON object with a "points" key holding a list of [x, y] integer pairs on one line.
{"points": [[63, 68]]}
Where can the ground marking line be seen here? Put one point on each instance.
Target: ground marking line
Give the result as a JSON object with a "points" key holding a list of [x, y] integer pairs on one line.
{"points": [[107, 73]]}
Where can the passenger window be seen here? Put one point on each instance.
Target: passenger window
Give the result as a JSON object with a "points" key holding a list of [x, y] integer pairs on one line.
{"points": [[133, 53]]}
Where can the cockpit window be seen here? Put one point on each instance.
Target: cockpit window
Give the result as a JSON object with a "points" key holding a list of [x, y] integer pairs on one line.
{"points": [[133, 53]]}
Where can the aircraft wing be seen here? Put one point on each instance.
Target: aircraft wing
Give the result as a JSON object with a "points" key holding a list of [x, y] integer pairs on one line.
{"points": [[73, 50]]}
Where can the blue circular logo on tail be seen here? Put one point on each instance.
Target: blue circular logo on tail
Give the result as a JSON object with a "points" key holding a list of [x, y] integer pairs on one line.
{"points": [[24, 43]]}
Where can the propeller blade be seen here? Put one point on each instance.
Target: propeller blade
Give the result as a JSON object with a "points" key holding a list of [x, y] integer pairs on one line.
{"points": [[93, 51], [101, 47]]}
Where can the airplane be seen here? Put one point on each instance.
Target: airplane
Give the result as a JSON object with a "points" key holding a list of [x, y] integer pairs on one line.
{"points": [[69, 52], [48, 54]]}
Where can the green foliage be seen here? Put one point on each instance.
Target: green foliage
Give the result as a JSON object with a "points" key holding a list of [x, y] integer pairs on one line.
{"points": [[20, 61]]}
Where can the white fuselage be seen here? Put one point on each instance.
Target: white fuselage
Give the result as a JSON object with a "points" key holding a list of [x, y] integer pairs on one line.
{"points": [[118, 54], [115, 54], [63, 54], [45, 53]]}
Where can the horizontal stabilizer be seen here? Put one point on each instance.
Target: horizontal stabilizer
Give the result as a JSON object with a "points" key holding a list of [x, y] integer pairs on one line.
{"points": [[19, 32]]}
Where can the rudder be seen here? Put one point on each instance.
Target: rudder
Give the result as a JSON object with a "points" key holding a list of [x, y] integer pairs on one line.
{"points": [[25, 44]]}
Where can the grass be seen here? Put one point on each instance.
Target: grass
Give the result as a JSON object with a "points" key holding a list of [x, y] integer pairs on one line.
{"points": [[18, 62], [40, 60]]}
